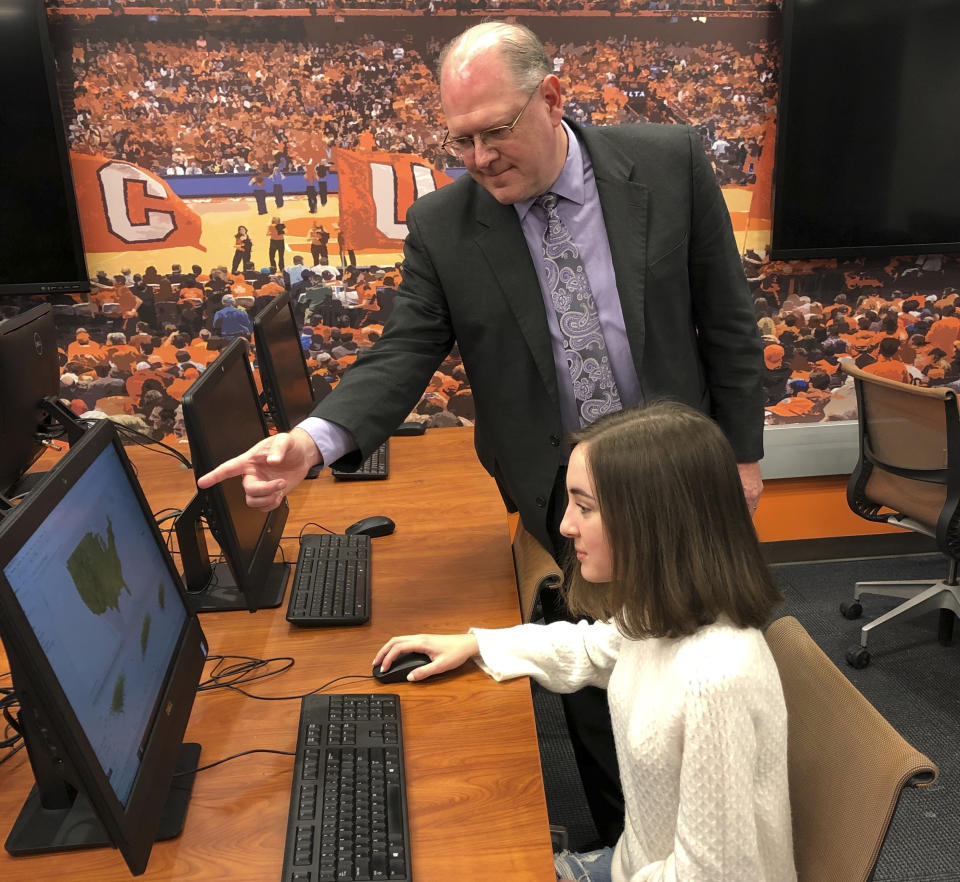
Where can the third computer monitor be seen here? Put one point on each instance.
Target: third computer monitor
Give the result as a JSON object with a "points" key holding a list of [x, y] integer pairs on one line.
{"points": [[29, 372], [283, 369], [221, 411]]}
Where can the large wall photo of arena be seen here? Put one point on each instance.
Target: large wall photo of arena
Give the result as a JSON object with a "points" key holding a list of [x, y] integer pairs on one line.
{"points": [[239, 148]]}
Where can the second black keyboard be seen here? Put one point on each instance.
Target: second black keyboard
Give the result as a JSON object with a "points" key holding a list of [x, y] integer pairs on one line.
{"points": [[331, 584], [348, 805], [375, 467]]}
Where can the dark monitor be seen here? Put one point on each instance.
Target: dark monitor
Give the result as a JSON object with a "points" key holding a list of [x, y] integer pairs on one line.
{"points": [[41, 249], [29, 371], [29, 383], [283, 369], [221, 411], [104, 655], [868, 125]]}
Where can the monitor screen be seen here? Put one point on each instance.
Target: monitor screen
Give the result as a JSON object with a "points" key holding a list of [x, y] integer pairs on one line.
{"points": [[867, 131], [104, 653], [222, 415], [283, 368], [29, 371], [41, 249]]}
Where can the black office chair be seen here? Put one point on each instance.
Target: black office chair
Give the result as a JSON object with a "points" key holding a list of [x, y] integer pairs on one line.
{"points": [[908, 474]]}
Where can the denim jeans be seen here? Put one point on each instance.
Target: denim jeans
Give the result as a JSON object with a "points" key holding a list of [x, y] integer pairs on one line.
{"points": [[588, 866]]}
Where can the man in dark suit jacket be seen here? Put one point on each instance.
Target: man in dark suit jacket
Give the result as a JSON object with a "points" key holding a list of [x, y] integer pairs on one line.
{"points": [[683, 317]]}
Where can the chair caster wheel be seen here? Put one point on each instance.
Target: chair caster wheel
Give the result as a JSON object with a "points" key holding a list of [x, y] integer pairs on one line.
{"points": [[858, 657], [852, 610]]}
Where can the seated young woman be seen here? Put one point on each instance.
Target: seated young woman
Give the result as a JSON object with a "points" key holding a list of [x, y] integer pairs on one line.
{"points": [[669, 577]]}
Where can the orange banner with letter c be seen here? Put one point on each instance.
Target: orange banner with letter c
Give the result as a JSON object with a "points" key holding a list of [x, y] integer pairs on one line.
{"points": [[124, 208]]}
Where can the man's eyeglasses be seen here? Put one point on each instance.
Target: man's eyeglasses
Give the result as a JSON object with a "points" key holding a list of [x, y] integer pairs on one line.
{"points": [[465, 144]]}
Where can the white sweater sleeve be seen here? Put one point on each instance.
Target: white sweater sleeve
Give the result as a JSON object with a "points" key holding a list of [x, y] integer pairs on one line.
{"points": [[561, 656]]}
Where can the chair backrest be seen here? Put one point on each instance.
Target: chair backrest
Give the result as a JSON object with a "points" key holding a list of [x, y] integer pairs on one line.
{"points": [[535, 568], [847, 764], [909, 456]]}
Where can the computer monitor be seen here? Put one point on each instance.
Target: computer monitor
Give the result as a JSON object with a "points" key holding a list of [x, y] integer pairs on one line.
{"points": [[29, 383], [105, 658], [221, 411], [41, 249], [287, 390]]}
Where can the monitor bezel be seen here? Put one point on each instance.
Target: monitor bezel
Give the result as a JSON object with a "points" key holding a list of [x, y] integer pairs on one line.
{"points": [[131, 828]]}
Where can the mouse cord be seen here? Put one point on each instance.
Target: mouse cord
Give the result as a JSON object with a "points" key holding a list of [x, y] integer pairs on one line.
{"points": [[301, 695], [227, 672], [313, 524], [234, 756]]}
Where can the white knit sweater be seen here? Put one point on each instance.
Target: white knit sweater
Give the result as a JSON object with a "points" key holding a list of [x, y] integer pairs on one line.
{"points": [[701, 732]]}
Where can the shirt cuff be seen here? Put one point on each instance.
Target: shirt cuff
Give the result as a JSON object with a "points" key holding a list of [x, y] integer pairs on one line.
{"points": [[332, 441]]}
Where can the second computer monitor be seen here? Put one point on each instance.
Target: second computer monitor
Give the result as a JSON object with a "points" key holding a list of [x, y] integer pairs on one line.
{"points": [[283, 369], [29, 371], [221, 411]]}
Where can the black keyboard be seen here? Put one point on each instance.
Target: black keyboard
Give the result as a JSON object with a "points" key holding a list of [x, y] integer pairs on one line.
{"points": [[348, 802], [331, 584], [375, 467]]}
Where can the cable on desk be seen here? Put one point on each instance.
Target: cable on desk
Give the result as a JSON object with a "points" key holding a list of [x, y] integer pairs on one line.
{"points": [[12, 752], [227, 759], [8, 701], [144, 440], [167, 514], [303, 694], [240, 672], [312, 524]]}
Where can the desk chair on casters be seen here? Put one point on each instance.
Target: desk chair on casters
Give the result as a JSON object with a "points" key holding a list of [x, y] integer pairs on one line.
{"points": [[846, 764], [908, 474]]}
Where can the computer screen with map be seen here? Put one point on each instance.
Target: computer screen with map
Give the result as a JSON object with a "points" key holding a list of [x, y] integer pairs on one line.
{"points": [[105, 657]]}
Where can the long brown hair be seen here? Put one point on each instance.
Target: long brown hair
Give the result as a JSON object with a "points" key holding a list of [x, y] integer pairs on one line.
{"points": [[673, 511]]}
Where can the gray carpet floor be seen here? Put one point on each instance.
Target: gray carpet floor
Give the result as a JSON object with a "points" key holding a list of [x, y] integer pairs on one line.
{"points": [[912, 680]]}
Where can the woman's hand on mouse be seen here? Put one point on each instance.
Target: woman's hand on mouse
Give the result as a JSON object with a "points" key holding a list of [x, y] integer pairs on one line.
{"points": [[446, 651]]}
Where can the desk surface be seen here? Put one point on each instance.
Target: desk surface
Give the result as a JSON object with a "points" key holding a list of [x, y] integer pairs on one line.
{"points": [[474, 787]]}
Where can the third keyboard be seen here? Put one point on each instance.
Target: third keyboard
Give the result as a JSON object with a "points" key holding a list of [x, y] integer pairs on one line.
{"points": [[331, 584]]}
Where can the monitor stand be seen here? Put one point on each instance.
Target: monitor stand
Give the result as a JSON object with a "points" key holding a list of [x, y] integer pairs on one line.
{"points": [[40, 830], [211, 587], [221, 594], [56, 415]]}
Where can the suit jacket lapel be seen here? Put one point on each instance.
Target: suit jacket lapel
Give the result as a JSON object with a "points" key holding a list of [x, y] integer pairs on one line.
{"points": [[624, 202], [501, 240]]}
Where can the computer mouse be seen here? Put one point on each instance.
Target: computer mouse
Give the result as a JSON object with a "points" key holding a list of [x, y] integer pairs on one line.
{"points": [[375, 525], [410, 428], [402, 665]]}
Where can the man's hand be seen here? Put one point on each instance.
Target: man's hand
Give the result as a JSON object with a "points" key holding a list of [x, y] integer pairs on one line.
{"points": [[752, 483], [270, 469]]}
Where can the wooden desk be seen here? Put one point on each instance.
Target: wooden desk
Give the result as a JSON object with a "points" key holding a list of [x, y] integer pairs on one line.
{"points": [[475, 792]]}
